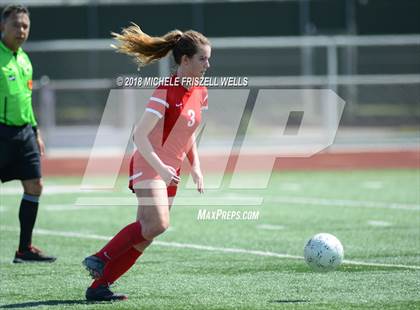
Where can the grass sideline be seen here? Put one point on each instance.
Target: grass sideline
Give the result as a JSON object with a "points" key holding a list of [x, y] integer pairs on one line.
{"points": [[374, 213]]}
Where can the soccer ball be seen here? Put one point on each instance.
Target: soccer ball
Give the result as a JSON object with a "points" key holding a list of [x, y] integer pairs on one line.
{"points": [[323, 252]]}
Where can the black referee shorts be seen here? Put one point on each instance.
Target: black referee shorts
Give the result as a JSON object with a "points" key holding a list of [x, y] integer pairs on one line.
{"points": [[19, 153]]}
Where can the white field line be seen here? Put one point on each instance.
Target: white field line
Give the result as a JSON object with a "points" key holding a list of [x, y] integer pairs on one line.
{"points": [[87, 203], [202, 247], [270, 227], [75, 207], [241, 200], [179, 201], [227, 199], [379, 223], [48, 190], [372, 184], [293, 187]]}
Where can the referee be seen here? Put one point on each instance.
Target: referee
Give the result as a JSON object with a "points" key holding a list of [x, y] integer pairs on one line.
{"points": [[20, 142]]}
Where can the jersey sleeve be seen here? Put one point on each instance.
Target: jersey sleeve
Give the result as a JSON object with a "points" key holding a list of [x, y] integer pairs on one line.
{"points": [[158, 102], [204, 100]]}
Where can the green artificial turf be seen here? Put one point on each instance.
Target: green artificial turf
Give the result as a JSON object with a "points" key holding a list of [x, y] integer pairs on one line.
{"points": [[229, 263]]}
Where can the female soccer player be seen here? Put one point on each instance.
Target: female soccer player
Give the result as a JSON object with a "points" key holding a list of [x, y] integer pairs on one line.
{"points": [[163, 137]]}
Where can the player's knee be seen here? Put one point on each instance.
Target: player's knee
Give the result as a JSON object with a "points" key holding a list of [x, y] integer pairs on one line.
{"points": [[162, 226], [33, 187], [155, 230], [38, 187]]}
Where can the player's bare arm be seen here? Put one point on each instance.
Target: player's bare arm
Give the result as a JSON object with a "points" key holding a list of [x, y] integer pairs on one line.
{"points": [[194, 160], [141, 132]]}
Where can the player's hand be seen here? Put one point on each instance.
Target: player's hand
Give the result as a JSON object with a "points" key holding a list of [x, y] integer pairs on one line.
{"points": [[198, 178], [41, 145], [169, 175]]}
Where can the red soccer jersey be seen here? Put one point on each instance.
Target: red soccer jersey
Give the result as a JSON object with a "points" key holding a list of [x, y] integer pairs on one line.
{"points": [[179, 110]]}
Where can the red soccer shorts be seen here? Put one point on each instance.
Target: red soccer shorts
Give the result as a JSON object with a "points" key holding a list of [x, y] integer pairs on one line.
{"points": [[140, 170]]}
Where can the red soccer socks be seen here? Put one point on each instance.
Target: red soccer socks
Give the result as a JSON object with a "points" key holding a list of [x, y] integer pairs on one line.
{"points": [[122, 242], [115, 268]]}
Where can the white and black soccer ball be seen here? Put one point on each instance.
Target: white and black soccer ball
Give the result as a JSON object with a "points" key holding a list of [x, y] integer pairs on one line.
{"points": [[323, 252]]}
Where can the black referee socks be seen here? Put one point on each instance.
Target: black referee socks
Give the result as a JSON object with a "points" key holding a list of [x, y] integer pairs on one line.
{"points": [[27, 216]]}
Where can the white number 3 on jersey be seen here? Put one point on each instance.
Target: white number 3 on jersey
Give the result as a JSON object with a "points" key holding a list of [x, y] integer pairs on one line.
{"points": [[191, 114]]}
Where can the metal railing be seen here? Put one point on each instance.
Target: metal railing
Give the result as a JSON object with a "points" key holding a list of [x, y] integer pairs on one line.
{"points": [[332, 79]]}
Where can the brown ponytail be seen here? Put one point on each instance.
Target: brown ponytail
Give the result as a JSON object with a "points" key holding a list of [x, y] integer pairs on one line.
{"points": [[146, 49]]}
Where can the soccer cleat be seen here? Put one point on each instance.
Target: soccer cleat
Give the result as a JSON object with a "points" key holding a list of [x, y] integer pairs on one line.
{"points": [[32, 255], [103, 293], [94, 265]]}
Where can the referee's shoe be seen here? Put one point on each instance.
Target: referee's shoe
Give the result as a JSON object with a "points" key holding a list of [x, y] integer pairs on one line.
{"points": [[32, 255]]}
